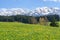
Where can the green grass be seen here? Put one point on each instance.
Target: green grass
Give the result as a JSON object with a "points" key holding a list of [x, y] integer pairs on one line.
{"points": [[20, 31]]}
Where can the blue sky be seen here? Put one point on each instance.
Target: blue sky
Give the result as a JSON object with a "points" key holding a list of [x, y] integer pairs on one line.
{"points": [[31, 4]]}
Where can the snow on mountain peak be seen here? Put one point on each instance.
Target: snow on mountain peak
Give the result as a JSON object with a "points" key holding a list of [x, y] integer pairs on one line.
{"points": [[36, 12]]}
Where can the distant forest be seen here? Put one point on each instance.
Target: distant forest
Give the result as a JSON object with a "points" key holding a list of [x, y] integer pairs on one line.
{"points": [[26, 19]]}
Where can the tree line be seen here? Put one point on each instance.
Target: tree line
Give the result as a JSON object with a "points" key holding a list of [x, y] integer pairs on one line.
{"points": [[26, 19], [31, 19]]}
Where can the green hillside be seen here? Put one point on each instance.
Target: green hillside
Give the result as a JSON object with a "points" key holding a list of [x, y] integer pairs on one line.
{"points": [[20, 31]]}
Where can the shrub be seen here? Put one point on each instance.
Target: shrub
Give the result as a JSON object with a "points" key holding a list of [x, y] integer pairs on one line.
{"points": [[54, 24]]}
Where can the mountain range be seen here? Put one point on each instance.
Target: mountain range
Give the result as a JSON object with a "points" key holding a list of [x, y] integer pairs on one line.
{"points": [[40, 11]]}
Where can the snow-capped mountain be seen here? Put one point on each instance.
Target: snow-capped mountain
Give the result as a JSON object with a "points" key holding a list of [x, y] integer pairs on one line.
{"points": [[35, 12]]}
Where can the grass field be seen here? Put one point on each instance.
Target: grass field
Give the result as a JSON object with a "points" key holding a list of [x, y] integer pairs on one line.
{"points": [[20, 31]]}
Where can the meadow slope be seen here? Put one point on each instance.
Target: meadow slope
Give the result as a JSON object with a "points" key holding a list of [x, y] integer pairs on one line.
{"points": [[21, 31]]}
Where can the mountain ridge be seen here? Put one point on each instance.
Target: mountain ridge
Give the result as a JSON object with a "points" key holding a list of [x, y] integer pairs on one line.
{"points": [[40, 11]]}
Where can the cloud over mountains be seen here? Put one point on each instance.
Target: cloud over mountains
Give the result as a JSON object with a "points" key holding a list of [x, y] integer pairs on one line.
{"points": [[35, 12]]}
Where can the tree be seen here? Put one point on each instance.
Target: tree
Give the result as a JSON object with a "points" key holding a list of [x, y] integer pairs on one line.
{"points": [[43, 20], [54, 22], [32, 20]]}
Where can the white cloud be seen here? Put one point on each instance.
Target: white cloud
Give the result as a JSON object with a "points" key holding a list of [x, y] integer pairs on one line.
{"points": [[52, 0]]}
